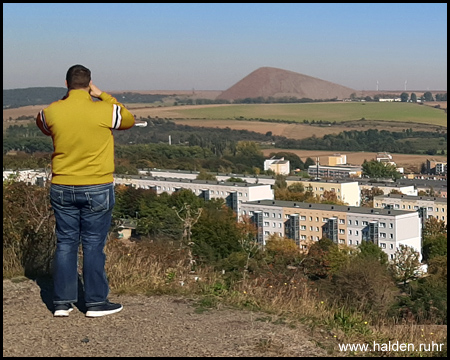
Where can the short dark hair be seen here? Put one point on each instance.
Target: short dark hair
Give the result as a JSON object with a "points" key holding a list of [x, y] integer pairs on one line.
{"points": [[78, 77]]}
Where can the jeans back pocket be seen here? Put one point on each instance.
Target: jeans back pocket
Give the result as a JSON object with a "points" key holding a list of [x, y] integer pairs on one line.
{"points": [[98, 200]]}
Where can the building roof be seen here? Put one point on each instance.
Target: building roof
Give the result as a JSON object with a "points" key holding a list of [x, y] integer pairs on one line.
{"points": [[412, 197], [328, 207], [188, 181]]}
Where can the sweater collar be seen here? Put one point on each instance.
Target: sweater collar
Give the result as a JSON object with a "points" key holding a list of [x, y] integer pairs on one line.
{"points": [[79, 94]]}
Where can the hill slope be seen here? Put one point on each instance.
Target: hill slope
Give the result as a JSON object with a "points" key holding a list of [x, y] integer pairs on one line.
{"points": [[269, 81]]}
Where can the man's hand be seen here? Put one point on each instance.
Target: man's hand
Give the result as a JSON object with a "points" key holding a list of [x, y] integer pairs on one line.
{"points": [[94, 90]]}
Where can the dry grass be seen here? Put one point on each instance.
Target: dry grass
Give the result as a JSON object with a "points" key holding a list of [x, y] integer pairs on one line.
{"points": [[158, 269]]}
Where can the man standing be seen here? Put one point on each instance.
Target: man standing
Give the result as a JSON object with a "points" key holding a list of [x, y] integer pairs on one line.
{"points": [[82, 189]]}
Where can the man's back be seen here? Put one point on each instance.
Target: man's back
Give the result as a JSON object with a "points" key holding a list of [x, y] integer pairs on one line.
{"points": [[82, 137]]}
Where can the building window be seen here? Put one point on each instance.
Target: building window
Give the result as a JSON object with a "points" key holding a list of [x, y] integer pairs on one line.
{"points": [[356, 222], [416, 207], [430, 208], [273, 215], [310, 228], [280, 225], [382, 235], [392, 256], [317, 229], [341, 231], [341, 221], [279, 216], [383, 245], [349, 222], [403, 206], [244, 212], [382, 225], [250, 212], [240, 194], [317, 238], [266, 223], [365, 223], [274, 224], [396, 206], [391, 236], [350, 242], [391, 225], [324, 219], [349, 231], [356, 232], [266, 214], [409, 206], [341, 241], [317, 219], [310, 218], [442, 209], [391, 246], [357, 242], [321, 189], [303, 237], [266, 233], [302, 217], [286, 216], [303, 227]]}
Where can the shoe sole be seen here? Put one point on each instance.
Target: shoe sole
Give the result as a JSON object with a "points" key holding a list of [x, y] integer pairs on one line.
{"points": [[102, 313], [62, 313]]}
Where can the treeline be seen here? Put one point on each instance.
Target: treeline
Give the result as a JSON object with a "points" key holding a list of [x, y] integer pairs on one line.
{"points": [[14, 98], [222, 142]]}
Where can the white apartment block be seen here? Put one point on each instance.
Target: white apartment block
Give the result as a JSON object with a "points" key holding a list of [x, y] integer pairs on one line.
{"points": [[433, 206], [388, 187], [233, 193], [346, 190], [306, 223], [186, 174], [30, 176], [278, 166]]}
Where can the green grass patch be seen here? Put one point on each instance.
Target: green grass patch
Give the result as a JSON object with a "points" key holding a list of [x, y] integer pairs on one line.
{"points": [[339, 112]]}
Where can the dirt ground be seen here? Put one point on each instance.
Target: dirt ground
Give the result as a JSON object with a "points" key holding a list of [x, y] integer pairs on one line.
{"points": [[152, 326]]}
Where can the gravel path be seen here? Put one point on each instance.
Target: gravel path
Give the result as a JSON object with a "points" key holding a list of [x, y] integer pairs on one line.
{"points": [[147, 326]]}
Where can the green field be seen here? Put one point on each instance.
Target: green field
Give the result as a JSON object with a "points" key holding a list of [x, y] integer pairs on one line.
{"points": [[339, 112]]}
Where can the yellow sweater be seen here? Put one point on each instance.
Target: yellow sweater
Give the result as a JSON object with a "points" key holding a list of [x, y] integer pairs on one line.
{"points": [[83, 142]]}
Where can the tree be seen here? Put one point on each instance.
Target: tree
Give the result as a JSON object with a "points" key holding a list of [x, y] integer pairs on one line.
{"points": [[428, 96], [309, 162], [433, 246], [377, 169], [434, 227], [404, 97], [369, 250], [405, 264], [413, 98], [203, 175]]}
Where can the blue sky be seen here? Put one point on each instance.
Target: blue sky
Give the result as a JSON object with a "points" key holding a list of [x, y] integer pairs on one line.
{"points": [[211, 46]]}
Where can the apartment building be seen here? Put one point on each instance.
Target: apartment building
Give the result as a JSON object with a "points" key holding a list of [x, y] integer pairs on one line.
{"points": [[233, 193], [433, 206], [306, 223], [29, 176], [337, 159], [278, 166], [346, 190], [436, 167], [189, 174], [388, 187], [341, 171]]}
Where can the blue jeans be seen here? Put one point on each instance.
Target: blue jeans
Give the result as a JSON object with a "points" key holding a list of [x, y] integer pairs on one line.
{"points": [[83, 214]]}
